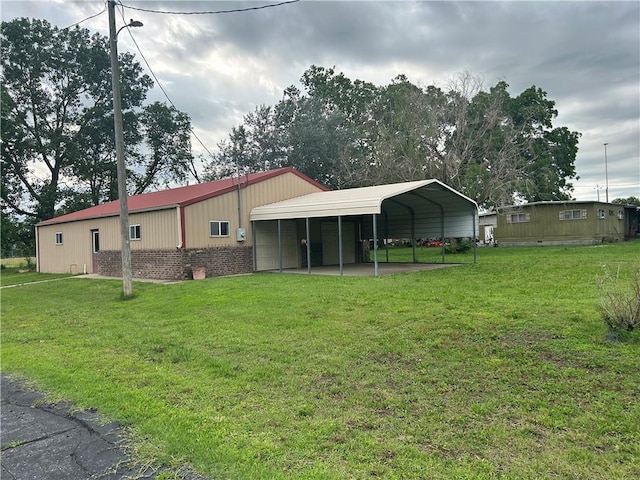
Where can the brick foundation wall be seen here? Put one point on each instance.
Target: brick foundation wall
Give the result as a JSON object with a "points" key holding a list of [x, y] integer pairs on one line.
{"points": [[178, 264]]}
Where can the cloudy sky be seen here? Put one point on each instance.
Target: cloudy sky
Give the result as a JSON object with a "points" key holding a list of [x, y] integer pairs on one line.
{"points": [[217, 68]]}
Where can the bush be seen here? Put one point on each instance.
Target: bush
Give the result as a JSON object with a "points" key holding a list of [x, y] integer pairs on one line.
{"points": [[29, 263], [458, 245], [619, 303]]}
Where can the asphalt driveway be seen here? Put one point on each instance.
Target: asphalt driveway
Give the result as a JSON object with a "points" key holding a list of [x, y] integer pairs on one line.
{"points": [[45, 441]]}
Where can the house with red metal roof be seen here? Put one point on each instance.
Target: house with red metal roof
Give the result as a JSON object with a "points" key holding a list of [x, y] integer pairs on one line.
{"points": [[171, 231], [273, 220]]}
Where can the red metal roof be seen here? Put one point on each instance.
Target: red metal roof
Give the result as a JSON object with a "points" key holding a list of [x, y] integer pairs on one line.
{"points": [[180, 196]]}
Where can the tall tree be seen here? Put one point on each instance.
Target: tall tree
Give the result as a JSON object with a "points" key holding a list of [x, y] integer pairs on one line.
{"points": [[57, 146], [483, 142], [166, 136], [55, 84]]}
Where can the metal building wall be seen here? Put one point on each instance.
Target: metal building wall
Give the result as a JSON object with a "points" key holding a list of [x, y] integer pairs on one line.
{"points": [[225, 207], [159, 229], [544, 225]]}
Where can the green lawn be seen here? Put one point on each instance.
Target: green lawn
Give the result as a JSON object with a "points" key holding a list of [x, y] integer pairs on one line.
{"points": [[16, 276], [500, 369]]}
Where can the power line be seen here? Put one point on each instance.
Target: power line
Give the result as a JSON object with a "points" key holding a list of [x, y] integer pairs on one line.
{"points": [[160, 85], [216, 12], [88, 18]]}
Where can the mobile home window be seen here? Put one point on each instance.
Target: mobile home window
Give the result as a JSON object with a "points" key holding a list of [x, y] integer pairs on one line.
{"points": [[58, 238], [573, 214], [218, 228], [134, 232], [518, 217]]}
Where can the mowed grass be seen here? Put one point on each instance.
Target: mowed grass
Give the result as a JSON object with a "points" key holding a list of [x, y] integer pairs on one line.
{"points": [[14, 276], [500, 369]]}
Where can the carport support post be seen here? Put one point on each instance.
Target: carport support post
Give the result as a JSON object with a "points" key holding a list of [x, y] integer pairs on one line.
{"points": [[442, 230], [386, 236], [375, 245], [413, 235], [340, 246], [308, 228], [280, 244], [475, 243]]}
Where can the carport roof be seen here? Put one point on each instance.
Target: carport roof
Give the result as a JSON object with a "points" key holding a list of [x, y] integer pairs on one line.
{"points": [[359, 201]]}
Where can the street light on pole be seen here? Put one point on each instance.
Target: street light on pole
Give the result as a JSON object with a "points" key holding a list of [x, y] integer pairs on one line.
{"points": [[119, 138], [606, 174]]}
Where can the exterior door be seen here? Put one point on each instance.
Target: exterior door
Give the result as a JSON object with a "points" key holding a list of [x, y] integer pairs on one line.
{"points": [[95, 248], [488, 234]]}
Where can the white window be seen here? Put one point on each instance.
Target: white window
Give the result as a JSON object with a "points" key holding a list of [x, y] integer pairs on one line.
{"points": [[58, 238], [573, 214], [518, 217], [218, 228], [134, 232], [602, 213]]}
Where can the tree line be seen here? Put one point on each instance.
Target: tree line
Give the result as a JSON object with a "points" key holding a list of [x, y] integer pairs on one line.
{"points": [[57, 146], [58, 153], [344, 133]]}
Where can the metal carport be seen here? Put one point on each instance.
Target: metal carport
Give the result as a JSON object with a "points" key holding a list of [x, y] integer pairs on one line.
{"points": [[421, 209]]}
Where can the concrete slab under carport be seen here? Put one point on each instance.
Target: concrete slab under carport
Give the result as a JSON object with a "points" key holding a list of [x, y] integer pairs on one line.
{"points": [[367, 269]]}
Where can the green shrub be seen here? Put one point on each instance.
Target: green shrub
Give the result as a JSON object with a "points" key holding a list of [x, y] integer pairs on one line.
{"points": [[458, 245], [619, 303], [29, 263]]}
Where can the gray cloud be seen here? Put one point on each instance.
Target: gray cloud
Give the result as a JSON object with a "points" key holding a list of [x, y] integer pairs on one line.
{"points": [[585, 55]]}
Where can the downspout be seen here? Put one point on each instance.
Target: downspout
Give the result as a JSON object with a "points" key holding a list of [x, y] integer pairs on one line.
{"points": [[254, 236], [179, 220], [180, 216], [239, 199], [37, 249]]}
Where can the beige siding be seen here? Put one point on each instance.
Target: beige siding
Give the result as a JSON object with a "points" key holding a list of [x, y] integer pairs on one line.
{"points": [[75, 253], [159, 230], [268, 249], [225, 208]]}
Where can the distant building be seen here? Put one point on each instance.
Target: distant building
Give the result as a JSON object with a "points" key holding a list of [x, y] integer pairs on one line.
{"points": [[561, 223], [488, 221]]}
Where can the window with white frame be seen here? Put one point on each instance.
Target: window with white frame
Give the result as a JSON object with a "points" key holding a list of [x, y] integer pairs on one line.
{"points": [[218, 228], [58, 238], [518, 217], [135, 233], [602, 213], [578, 214]]}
